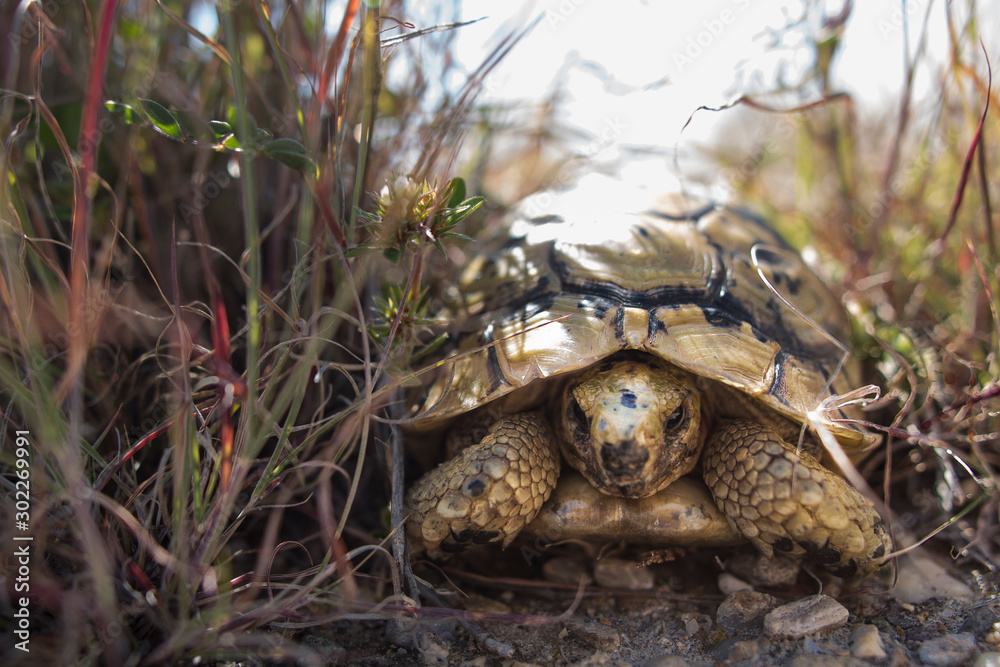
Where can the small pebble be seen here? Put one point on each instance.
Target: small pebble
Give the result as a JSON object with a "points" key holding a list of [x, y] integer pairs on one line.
{"points": [[747, 649], [805, 617], [948, 650], [766, 572], [899, 658], [866, 642], [621, 573], [744, 610], [921, 577], [729, 583], [694, 622]]}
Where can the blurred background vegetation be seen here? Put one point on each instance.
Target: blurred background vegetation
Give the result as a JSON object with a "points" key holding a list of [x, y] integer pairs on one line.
{"points": [[222, 227]]}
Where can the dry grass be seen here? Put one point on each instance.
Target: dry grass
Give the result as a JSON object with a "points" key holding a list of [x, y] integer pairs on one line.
{"points": [[201, 367], [184, 343], [900, 211]]}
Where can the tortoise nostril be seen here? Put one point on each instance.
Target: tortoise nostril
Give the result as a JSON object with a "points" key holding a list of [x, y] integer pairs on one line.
{"points": [[624, 458]]}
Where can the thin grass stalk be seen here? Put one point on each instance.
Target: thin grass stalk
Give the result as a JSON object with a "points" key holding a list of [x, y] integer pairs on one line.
{"points": [[372, 68], [264, 19], [79, 325], [248, 191], [87, 146]]}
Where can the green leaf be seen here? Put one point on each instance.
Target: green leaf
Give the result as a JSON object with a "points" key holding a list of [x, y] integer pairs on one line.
{"points": [[367, 218], [293, 159], [232, 143], [461, 212], [358, 250], [163, 119], [285, 145], [221, 128], [454, 235], [430, 347], [289, 152], [457, 187], [124, 112]]}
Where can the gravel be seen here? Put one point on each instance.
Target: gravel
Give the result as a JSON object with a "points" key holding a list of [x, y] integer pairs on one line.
{"points": [[805, 617]]}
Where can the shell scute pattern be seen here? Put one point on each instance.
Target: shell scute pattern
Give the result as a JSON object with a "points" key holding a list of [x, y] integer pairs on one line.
{"points": [[567, 289], [631, 346]]}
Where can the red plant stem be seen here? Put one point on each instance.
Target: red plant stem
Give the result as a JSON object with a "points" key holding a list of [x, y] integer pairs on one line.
{"points": [[334, 55], [956, 202], [87, 145]]}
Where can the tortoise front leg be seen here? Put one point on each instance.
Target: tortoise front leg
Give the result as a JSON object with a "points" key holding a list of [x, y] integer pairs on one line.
{"points": [[488, 492], [786, 501]]}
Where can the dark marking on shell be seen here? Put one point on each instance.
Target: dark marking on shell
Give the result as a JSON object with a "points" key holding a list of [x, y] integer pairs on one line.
{"points": [[546, 219], [719, 318], [656, 325], [694, 215], [518, 302], [619, 296], [549, 279], [532, 308], [620, 325], [782, 281], [493, 371], [598, 306], [777, 388], [748, 216]]}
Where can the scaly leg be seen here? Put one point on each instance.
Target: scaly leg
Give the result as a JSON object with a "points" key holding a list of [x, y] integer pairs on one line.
{"points": [[786, 501], [488, 492]]}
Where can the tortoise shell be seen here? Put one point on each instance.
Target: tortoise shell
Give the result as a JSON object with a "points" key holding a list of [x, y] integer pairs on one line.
{"points": [[710, 288]]}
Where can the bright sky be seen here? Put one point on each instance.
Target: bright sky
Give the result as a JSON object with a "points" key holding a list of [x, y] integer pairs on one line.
{"points": [[635, 70], [705, 55]]}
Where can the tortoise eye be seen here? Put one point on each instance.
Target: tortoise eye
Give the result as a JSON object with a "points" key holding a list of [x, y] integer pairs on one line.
{"points": [[578, 420], [674, 422]]}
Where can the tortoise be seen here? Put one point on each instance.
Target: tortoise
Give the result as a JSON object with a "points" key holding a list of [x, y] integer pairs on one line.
{"points": [[636, 348]]}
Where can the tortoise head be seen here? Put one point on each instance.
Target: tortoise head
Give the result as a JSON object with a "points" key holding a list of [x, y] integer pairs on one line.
{"points": [[631, 425]]}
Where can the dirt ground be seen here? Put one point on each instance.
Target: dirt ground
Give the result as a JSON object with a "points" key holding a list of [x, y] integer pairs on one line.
{"points": [[510, 612]]}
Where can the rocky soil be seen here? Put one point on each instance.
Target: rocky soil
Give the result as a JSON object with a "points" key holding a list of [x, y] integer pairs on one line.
{"points": [[695, 610]]}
